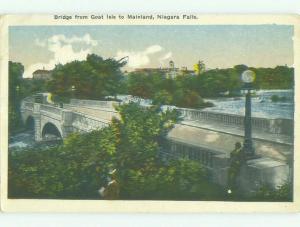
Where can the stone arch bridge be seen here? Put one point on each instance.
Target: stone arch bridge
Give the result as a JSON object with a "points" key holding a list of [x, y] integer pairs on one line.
{"points": [[50, 119], [204, 136]]}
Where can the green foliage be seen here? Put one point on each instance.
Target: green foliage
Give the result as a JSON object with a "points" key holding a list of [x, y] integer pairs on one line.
{"points": [[15, 77], [240, 68], [144, 85], [141, 130], [190, 99], [93, 78], [16, 91], [74, 170], [176, 180], [188, 90], [34, 86], [163, 97], [180, 91], [276, 98], [14, 119], [131, 144], [20, 88], [34, 173], [280, 77], [283, 193]]}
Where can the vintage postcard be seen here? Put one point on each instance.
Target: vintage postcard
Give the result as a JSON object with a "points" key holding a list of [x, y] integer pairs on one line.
{"points": [[150, 113]]}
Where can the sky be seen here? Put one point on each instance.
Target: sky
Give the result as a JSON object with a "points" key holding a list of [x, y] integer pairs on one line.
{"points": [[219, 46]]}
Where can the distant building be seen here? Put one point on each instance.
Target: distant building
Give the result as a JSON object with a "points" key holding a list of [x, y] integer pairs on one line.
{"points": [[172, 71], [184, 71], [151, 70], [169, 72], [42, 74]]}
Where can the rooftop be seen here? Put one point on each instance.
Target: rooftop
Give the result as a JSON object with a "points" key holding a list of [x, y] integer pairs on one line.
{"points": [[41, 71]]}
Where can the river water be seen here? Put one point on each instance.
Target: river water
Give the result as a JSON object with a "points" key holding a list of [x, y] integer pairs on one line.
{"points": [[22, 140], [262, 105], [26, 140]]}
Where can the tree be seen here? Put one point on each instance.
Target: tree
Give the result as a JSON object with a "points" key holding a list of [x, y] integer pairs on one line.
{"points": [[240, 68], [199, 68], [93, 78], [163, 97], [139, 84], [141, 131], [177, 180], [16, 91]]}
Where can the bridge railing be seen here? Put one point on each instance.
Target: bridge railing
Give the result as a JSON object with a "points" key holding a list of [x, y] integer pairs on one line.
{"points": [[277, 126], [51, 109], [86, 123], [177, 149], [27, 105], [281, 126], [94, 103], [99, 112]]}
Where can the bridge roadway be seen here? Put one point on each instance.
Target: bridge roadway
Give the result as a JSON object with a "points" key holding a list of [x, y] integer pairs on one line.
{"points": [[103, 113], [210, 135]]}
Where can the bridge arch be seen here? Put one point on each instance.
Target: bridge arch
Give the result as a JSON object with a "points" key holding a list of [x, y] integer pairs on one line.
{"points": [[30, 123], [51, 130]]}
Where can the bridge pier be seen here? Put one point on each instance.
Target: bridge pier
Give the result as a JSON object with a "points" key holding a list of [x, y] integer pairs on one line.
{"points": [[37, 122], [67, 120]]}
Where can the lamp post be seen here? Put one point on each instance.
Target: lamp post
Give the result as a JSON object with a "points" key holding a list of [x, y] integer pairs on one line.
{"points": [[248, 78], [73, 91]]}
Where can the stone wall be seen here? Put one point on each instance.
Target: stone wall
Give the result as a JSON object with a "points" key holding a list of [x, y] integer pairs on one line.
{"points": [[263, 172], [256, 173], [215, 162]]}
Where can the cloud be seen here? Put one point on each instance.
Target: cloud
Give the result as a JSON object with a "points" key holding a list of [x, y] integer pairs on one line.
{"points": [[139, 58], [75, 39], [40, 43], [166, 57], [153, 49], [63, 51]]}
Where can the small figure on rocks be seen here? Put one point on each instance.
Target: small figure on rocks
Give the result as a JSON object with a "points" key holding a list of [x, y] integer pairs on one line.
{"points": [[112, 190]]}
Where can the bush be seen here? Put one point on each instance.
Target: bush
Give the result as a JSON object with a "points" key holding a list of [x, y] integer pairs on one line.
{"points": [[276, 98], [283, 193]]}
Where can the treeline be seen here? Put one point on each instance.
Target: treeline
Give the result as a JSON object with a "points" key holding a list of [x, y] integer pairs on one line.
{"points": [[97, 78]]}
